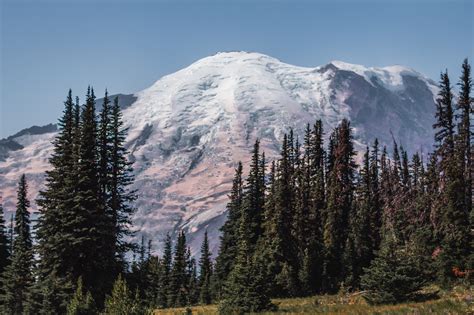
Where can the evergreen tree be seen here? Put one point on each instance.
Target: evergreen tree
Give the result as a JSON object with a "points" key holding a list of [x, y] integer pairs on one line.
{"points": [[228, 240], [104, 156], [55, 229], [453, 229], [317, 186], [444, 125], [193, 295], [376, 199], [465, 107], [278, 251], [152, 294], [4, 247], [11, 234], [81, 302], [122, 301], [339, 203], [121, 197], [393, 276], [165, 288], [246, 289], [90, 220], [177, 295], [359, 247], [253, 200], [18, 277], [103, 135], [205, 269]]}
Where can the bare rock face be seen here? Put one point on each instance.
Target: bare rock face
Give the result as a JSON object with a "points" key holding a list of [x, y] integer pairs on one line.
{"points": [[188, 130]]}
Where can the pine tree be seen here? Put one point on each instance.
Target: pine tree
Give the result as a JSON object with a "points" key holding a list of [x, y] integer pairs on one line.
{"points": [[453, 228], [11, 234], [444, 125], [246, 289], [55, 231], [396, 205], [121, 197], [278, 252], [18, 277], [154, 285], [339, 203], [393, 276], [122, 301], [205, 272], [317, 186], [376, 201], [253, 200], [466, 151], [165, 289], [90, 220], [359, 247], [228, 240], [4, 247], [104, 141], [104, 156], [81, 302], [192, 284], [177, 295]]}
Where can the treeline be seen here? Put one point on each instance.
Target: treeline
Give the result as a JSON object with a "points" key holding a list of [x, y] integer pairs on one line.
{"points": [[316, 223], [310, 222]]}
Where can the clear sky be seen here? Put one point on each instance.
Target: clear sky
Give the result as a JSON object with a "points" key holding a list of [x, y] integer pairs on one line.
{"points": [[50, 46]]}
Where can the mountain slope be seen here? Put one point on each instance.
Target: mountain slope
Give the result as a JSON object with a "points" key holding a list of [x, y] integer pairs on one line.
{"points": [[187, 131]]}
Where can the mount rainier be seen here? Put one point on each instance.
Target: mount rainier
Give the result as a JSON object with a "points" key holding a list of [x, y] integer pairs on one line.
{"points": [[188, 130]]}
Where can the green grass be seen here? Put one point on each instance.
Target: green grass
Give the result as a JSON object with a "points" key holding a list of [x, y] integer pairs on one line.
{"points": [[458, 301]]}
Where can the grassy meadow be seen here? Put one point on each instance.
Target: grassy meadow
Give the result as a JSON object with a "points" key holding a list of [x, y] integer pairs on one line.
{"points": [[458, 301]]}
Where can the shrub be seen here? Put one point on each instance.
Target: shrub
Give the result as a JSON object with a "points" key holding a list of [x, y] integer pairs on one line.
{"points": [[122, 301], [392, 276], [81, 302]]}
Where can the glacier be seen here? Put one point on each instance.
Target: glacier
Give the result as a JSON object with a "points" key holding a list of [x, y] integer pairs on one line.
{"points": [[187, 131]]}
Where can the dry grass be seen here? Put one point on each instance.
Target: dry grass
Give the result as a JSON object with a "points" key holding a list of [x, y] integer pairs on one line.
{"points": [[458, 301]]}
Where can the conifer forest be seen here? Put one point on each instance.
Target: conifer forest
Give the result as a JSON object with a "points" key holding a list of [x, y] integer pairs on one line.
{"points": [[319, 219]]}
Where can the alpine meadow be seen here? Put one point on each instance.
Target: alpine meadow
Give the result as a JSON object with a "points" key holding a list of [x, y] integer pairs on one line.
{"points": [[239, 184]]}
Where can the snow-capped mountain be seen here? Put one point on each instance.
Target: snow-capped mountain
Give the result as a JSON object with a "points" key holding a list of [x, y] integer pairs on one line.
{"points": [[188, 130]]}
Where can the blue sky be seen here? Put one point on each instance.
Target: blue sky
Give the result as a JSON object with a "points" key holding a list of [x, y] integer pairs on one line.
{"points": [[50, 46]]}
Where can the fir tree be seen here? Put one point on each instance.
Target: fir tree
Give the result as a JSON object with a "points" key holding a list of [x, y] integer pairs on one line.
{"points": [[4, 247], [11, 233], [54, 230], [253, 200], [90, 220], [340, 203], [376, 200], [278, 251], [122, 301], [205, 272], [360, 248], [465, 107], [81, 302], [193, 294], [177, 295], [154, 285], [453, 227], [246, 289], [165, 288], [317, 197], [392, 276], [18, 277], [228, 240], [121, 197], [444, 114]]}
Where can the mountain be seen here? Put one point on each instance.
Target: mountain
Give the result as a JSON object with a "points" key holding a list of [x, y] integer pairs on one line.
{"points": [[188, 130]]}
